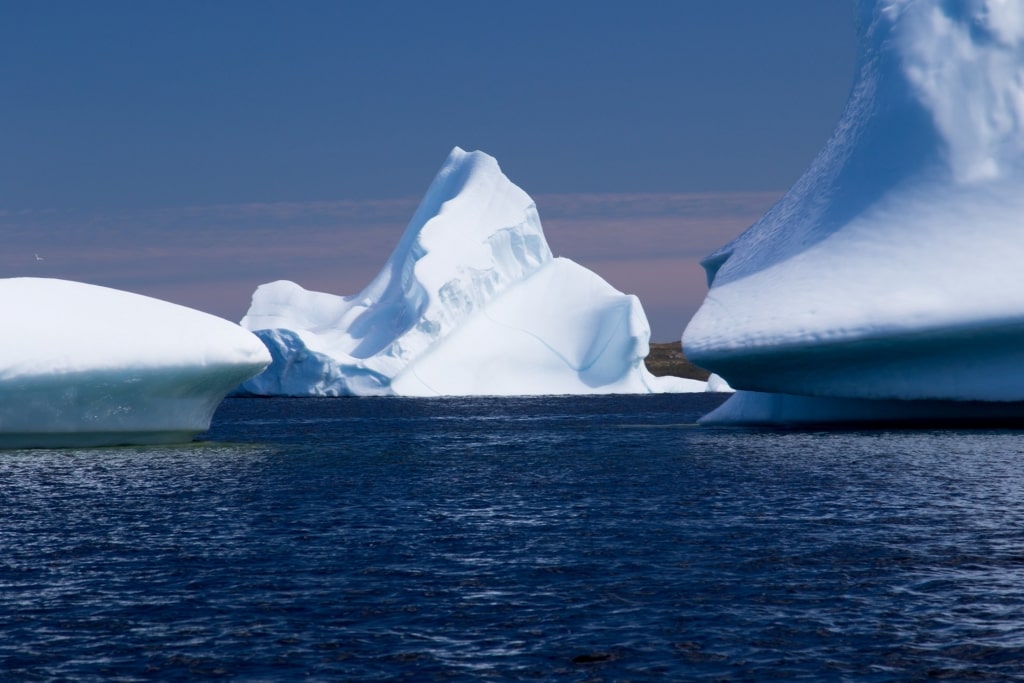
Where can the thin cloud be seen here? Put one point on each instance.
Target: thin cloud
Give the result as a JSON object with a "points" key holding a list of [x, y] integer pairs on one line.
{"points": [[213, 257], [707, 205]]}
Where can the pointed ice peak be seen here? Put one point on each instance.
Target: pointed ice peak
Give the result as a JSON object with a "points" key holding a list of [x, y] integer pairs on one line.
{"points": [[482, 218], [476, 181], [474, 234]]}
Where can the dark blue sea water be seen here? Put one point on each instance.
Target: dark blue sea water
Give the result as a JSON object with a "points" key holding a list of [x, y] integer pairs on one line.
{"points": [[579, 539]]}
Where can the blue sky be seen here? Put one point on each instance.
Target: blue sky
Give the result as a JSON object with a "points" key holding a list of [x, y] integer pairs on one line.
{"points": [[192, 150]]}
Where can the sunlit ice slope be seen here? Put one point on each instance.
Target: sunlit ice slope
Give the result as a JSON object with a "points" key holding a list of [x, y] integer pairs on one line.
{"points": [[892, 269], [471, 302]]}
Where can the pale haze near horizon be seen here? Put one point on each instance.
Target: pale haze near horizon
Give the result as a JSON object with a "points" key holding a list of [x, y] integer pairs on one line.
{"points": [[192, 151]]}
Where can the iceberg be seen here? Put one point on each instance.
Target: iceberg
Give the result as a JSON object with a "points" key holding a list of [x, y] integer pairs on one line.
{"points": [[471, 302], [82, 365], [718, 385], [885, 285]]}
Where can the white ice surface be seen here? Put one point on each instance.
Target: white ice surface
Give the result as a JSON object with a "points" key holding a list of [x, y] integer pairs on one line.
{"points": [[82, 365], [718, 385], [590, 338], [892, 269], [471, 302]]}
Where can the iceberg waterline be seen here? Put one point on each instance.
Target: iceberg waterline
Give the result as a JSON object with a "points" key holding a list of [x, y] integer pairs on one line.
{"points": [[471, 302], [890, 273], [83, 365]]}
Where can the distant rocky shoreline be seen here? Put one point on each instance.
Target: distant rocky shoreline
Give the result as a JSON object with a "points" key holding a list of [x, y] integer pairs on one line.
{"points": [[668, 359]]}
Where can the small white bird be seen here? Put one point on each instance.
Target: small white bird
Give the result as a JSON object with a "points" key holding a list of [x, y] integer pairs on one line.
{"points": [[38, 257]]}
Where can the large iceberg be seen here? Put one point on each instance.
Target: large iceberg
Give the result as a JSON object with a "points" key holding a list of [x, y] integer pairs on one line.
{"points": [[887, 283], [82, 365], [471, 302]]}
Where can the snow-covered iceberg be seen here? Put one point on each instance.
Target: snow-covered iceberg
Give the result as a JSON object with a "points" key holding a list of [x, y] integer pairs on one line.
{"points": [[887, 283], [471, 302], [82, 365]]}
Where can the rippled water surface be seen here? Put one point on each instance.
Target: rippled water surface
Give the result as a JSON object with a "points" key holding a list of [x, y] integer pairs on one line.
{"points": [[601, 538]]}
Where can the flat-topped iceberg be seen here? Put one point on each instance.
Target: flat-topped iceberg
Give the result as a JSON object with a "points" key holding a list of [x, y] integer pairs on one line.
{"points": [[82, 365], [890, 274], [471, 302]]}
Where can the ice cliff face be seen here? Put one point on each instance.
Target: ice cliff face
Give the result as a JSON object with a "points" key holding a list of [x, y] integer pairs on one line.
{"points": [[83, 365], [471, 302], [891, 270]]}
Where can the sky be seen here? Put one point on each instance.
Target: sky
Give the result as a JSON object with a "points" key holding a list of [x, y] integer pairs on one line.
{"points": [[191, 150]]}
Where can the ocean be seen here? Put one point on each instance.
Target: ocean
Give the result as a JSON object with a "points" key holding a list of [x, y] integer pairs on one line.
{"points": [[492, 539]]}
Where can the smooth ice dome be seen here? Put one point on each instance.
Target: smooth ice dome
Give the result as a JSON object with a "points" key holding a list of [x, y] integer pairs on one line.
{"points": [[471, 302], [891, 272], [82, 365]]}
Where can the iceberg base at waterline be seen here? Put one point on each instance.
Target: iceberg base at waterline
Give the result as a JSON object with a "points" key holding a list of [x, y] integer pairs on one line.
{"points": [[131, 407], [757, 409], [84, 365]]}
